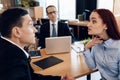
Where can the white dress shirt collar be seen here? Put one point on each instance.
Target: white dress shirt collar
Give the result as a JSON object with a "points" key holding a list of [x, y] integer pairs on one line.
{"points": [[54, 22]]}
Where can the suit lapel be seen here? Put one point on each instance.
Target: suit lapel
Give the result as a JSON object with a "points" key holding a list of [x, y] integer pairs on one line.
{"points": [[60, 29], [47, 29]]}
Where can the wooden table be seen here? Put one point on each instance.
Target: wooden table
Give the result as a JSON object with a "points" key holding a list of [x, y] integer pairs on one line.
{"points": [[78, 24], [74, 65]]}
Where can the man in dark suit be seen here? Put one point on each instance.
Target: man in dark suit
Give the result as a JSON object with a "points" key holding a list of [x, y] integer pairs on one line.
{"points": [[61, 28], [16, 27]]}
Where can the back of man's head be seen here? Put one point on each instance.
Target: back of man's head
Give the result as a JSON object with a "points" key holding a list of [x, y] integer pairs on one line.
{"points": [[9, 19]]}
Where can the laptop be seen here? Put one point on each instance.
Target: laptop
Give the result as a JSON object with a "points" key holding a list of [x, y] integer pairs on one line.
{"points": [[58, 44]]}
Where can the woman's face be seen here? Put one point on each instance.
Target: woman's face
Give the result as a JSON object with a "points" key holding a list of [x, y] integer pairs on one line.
{"points": [[96, 25]]}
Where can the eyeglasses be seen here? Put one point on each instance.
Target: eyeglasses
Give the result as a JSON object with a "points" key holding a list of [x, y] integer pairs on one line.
{"points": [[52, 12]]}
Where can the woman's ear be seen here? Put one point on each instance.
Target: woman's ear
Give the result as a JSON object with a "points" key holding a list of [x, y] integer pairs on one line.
{"points": [[105, 27], [16, 32]]}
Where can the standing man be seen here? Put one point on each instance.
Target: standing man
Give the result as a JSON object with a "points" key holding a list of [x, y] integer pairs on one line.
{"points": [[46, 30], [16, 27]]}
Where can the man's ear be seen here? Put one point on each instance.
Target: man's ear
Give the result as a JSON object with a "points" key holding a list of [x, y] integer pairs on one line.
{"points": [[16, 32]]}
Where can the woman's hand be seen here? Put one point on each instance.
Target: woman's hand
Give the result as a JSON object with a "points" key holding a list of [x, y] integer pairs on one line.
{"points": [[95, 40]]}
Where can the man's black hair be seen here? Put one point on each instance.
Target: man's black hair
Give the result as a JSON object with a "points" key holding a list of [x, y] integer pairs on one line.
{"points": [[11, 18]]}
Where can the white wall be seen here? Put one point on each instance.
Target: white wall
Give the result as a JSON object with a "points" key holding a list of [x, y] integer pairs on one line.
{"points": [[67, 9]]}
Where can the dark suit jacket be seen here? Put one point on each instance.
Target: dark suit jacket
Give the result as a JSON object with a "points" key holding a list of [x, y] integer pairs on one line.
{"points": [[14, 64], [63, 30]]}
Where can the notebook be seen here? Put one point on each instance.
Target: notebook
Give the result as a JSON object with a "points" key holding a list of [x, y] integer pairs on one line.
{"points": [[58, 44], [48, 62]]}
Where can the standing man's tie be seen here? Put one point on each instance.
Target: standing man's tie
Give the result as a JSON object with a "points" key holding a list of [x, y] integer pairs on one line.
{"points": [[53, 30]]}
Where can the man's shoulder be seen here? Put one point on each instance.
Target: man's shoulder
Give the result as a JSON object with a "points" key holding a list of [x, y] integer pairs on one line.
{"points": [[3, 42], [7, 46], [62, 23], [46, 23]]}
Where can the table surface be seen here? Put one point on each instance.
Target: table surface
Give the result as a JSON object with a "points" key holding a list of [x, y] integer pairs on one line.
{"points": [[73, 65]]}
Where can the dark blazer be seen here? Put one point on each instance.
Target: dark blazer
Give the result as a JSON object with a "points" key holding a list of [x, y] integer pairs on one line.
{"points": [[14, 65], [63, 30]]}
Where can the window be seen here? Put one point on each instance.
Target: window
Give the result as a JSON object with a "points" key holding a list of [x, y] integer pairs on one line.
{"points": [[66, 8]]}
